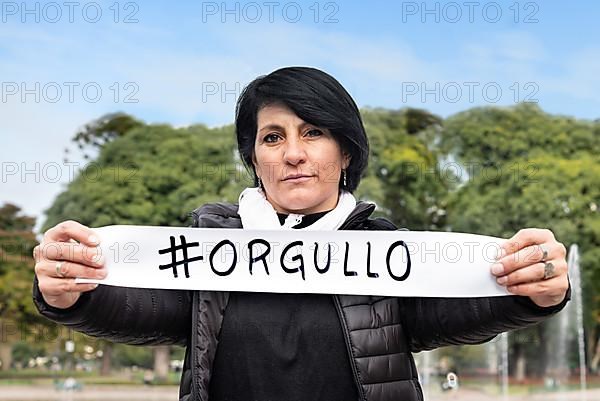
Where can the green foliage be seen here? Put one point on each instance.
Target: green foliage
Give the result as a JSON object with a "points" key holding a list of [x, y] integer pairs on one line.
{"points": [[151, 175], [403, 177], [524, 168], [124, 355], [517, 167], [544, 191], [155, 175], [23, 351], [103, 130], [493, 135], [12, 220], [16, 266]]}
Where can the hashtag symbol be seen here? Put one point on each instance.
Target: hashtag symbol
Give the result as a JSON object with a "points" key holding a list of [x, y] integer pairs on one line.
{"points": [[173, 250]]}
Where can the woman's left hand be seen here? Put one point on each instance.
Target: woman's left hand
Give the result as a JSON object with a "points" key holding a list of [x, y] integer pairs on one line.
{"points": [[525, 270]]}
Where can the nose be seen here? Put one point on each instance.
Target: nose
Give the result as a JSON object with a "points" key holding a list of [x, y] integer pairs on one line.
{"points": [[294, 151]]}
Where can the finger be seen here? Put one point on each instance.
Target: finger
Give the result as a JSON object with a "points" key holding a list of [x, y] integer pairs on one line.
{"points": [[550, 287], [64, 269], [70, 229], [527, 274], [52, 286], [525, 257], [526, 237], [70, 251], [37, 250]]}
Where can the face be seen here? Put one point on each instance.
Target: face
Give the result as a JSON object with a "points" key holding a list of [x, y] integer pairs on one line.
{"points": [[288, 147]]}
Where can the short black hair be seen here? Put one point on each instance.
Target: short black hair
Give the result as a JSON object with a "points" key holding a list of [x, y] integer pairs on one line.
{"points": [[315, 97]]}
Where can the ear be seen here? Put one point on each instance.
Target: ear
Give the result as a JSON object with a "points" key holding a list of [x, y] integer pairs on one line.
{"points": [[345, 160], [254, 162]]}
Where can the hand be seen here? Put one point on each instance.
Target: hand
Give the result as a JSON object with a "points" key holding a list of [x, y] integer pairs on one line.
{"points": [[68, 250], [522, 271]]}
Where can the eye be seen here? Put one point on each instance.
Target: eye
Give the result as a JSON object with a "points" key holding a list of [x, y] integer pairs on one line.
{"points": [[316, 131], [266, 138]]}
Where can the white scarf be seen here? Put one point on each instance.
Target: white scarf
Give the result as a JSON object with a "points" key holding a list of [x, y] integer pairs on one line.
{"points": [[258, 213]]}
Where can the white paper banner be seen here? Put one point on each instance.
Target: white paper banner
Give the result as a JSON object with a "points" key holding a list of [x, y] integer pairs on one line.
{"points": [[391, 263]]}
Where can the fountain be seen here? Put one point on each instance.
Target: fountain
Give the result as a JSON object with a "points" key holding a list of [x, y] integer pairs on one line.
{"points": [[568, 327], [470, 372], [494, 356], [504, 365], [575, 274]]}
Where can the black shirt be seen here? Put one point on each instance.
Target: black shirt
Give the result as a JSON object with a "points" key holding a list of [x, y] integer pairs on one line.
{"points": [[282, 347]]}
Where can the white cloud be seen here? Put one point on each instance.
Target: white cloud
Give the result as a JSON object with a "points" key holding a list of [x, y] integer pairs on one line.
{"points": [[171, 78]]}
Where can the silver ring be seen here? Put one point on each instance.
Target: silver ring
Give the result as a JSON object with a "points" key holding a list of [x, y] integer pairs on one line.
{"points": [[544, 253], [548, 270], [58, 272]]}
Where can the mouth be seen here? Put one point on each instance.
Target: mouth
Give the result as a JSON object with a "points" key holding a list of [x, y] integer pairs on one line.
{"points": [[298, 178]]}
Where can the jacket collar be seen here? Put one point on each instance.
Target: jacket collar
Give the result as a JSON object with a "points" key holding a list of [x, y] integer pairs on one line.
{"points": [[361, 212], [225, 215]]}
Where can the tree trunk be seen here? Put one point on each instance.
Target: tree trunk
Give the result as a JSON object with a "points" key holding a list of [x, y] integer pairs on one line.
{"points": [[544, 351], [520, 365], [106, 359], [161, 362], [5, 355], [596, 358], [9, 334]]}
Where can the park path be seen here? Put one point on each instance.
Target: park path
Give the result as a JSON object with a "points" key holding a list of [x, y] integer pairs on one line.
{"points": [[470, 395], [90, 393], [170, 393]]}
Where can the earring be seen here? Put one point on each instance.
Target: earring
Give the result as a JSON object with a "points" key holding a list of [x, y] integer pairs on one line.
{"points": [[259, 183], [344, 177]]}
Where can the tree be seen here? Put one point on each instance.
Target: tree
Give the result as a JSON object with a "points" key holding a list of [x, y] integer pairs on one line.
{"points": [[18, 317], [154, 175], [103, 130], [517, 167], [161, 362], [546, 192], [404, 176], [521, 167], [491, 136]]}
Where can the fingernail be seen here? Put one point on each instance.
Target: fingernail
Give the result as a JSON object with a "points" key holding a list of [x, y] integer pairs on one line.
{"points": [[98, 259], [497, 268], [501, 254], [502, 280], [92, 239]]}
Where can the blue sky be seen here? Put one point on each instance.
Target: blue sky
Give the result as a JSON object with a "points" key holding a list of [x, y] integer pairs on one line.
{"points": [[174, 63]]}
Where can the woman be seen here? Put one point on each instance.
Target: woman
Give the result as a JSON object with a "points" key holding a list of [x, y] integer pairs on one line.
{"points": [[302, 135]]}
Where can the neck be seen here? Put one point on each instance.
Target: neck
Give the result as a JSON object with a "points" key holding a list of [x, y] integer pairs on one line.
{"points": [[324, 207]]}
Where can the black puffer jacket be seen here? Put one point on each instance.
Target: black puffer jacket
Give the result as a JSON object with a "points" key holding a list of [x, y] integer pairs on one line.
{"points": [[380, 332]]}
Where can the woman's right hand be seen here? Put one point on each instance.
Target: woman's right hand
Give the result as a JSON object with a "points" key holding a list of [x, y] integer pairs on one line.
{"points": [[68, 250]]}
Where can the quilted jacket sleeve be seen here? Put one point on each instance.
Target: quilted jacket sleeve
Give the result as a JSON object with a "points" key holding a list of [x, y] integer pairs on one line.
{"points": [[436, 322], [136, 316]]}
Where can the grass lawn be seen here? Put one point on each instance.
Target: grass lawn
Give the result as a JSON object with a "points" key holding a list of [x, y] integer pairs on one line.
{"points": [[39, 377]]}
